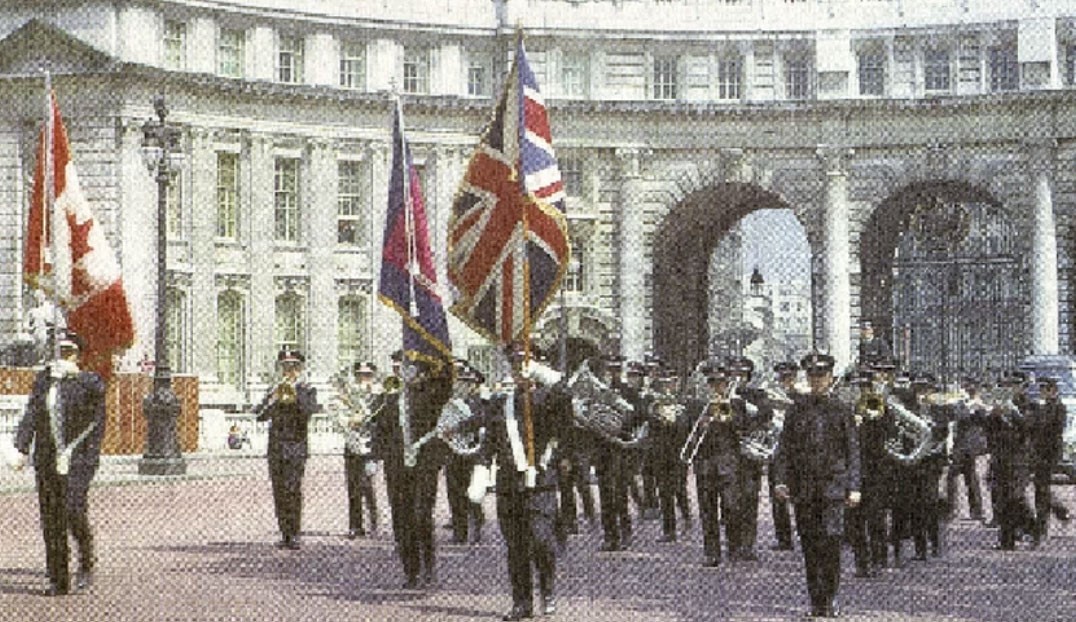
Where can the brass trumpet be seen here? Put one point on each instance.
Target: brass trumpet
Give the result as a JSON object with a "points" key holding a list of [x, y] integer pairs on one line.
{"points": [[285, 392], [392, 384]]}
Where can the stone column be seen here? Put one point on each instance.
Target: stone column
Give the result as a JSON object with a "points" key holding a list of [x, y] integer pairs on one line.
{"points": [[837, 304], [322, 308], [262, 304], [1044, 284], [136, 248], [203, 235], [632, 258]]}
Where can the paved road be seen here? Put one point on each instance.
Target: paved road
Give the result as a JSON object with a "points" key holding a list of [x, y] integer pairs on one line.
{"points": [[201, 548]]}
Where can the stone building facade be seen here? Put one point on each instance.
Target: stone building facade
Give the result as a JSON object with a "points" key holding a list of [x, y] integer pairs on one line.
{"points": [[851, 113]]}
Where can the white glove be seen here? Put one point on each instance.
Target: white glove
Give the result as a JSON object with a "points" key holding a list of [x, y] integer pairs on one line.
{"points": [[854, 497]]}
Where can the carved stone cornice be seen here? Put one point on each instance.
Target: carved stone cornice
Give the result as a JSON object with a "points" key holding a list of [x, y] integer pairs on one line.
{"points": [[237, 282], [1040, 154], [354, 287], [835, 160], [291, 285]]}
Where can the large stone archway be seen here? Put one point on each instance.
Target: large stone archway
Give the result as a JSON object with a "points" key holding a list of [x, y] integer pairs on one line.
{"points": [[945, 278], [682, 246]]}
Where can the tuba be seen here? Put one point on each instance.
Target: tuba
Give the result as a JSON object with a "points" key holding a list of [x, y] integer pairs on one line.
{"points": [[761, 444], [600, 409], [912, 439]]}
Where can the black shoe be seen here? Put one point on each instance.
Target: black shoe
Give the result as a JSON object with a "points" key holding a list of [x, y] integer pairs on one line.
{"points": [[1061, 514], [711, 561], [549, 605], [293, 543], [411, 583], [517, 613], [665, 539], [747, 555], [609, 547], [355, 533], [476, 536], [782, 546], [55, 589], [282, 543], [429, 578], [833, 610], [920, 557], [83, 580], [991, 524], [863, 573]]}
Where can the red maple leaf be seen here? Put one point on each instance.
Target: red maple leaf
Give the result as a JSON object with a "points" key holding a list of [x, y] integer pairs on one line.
{"points": [[80, 237]]}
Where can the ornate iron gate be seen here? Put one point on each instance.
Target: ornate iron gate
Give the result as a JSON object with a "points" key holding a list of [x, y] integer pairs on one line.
{"points": [[960, 294]]}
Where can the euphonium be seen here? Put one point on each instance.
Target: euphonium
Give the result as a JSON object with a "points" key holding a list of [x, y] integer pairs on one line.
{"points": [[913, 434]]}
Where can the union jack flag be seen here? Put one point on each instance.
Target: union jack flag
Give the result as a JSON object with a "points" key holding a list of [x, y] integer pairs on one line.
{"points": [[508, 242]]}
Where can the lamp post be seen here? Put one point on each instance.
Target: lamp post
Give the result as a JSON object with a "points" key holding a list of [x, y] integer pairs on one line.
{"points": [[161, 152]]}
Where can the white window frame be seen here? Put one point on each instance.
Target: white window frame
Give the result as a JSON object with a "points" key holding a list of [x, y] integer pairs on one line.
{"points": [[227, 198], [351, 203], [289, 59], [353, 65], [729, 78], [231, 357], [287, 199], [175, 44], [416, 71], [289, 331], [231, 43], [573, 74], [665, 78], [933, 62]]}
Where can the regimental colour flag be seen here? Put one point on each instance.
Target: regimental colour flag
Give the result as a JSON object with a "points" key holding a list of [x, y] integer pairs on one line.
{"points": [[408, 278], [68, 256], [508, 237]]}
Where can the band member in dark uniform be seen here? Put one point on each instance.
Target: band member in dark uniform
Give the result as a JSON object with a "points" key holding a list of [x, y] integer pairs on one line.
{"points": [[65, 422], [969, 443], [576, 449], [411, 472], [715, 456], [939, 411], [610, 461], [872, 348], [1006, 429], [753, 403], [467, 517], [636, 458], [670, 424], [355, 415], [867, 522], [782, 514], [527, 496], [1045, 429], [288, 407], [817, 466]]}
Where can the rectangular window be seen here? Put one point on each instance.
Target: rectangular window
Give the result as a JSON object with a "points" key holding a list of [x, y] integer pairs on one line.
{"points": [[289, 59], [665, 73], [352, 65], [573, 276], [416, 71], [174, 208], [175, 45], [1004, 70], [729, 78], [176, 330], [871, 73], [227, 195], [571, 173], [288, 329], [230, 338], [230, 53], [1070, 65], [286, 199], [478, 72], [351, 329], [573, 74], [797, 78], [936, 71], [349, 201]]}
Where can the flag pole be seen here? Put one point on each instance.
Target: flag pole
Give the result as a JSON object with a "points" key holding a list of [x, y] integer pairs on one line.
{"points": [[48, 204], [409, 222], [528, 417]]}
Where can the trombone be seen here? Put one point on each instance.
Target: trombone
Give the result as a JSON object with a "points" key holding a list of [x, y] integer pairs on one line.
{"points": [[717, 409]]}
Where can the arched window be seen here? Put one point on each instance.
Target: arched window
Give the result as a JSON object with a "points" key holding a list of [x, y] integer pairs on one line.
{"points": [[230, 338], [290, 316]]}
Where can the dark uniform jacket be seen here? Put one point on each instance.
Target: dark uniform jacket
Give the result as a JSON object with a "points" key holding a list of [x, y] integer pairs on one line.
{"points": [[818, 456], [969, 440], [288, 421], [1045, 428], [719, 453], [551, 417], [82, 404], [425, 400]]}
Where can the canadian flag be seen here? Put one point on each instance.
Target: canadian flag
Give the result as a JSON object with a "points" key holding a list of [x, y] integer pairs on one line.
{"points": [[68, 256]]}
